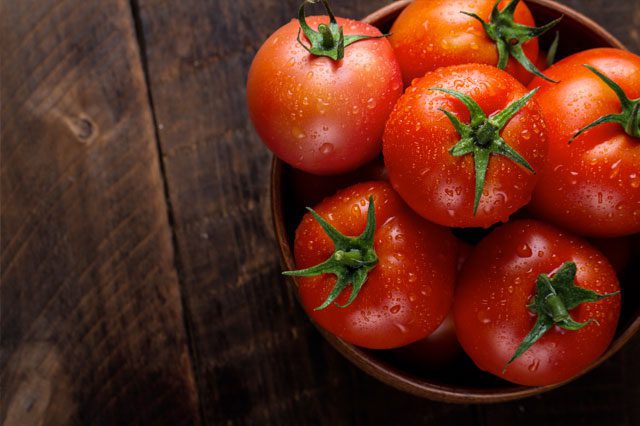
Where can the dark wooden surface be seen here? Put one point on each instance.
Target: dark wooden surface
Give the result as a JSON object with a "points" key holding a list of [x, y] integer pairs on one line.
{"points": [[140, 277]]}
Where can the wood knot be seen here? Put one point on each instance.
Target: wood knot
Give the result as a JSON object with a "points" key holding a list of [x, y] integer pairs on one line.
{"points": [[82, 127]]}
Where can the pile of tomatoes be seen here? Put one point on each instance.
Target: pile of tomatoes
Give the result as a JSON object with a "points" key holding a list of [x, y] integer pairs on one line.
{"points": [[479, 136]]}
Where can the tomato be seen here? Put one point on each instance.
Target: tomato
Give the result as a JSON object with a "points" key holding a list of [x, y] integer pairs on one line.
{"points": [[321, 115], [445, 185], [591, 186], [500, 279], [408, 286], [441, 347], [430, 34]]}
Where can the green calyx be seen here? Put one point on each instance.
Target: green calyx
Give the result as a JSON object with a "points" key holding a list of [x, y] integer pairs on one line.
{"points": [[351, 262], [481, 137], [329, 40], [629, 118], [510, 36], [553, 50], [553, 299]]}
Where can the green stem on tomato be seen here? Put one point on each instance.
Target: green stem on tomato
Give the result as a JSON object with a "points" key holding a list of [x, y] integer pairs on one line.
{"points": [[481, 137], [553, 299], [510, 36], [351, 261], [628, 118], [329, 40]]}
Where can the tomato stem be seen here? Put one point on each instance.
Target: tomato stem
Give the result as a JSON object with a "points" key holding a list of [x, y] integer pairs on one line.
{"points": [[329, 40], [510, 36], [628, 118], [553, 299], [351, 262], [481, 137]]}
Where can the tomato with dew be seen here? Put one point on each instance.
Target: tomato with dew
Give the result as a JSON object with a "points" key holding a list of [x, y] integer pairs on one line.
{"points": [[372, 272], [591, 184], [321, 106], [458, 174], [535, 305], [430, 34]]}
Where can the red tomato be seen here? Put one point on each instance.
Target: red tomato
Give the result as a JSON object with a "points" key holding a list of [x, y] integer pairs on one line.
{"points": [[440, 186], [317, 114], [496, 285], [406, 295], [430, 34], [441, 347], [591, 186]]}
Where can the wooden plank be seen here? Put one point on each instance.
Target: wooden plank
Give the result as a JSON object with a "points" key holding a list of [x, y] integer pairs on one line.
{"points": [[258, 359], [92, 326]]}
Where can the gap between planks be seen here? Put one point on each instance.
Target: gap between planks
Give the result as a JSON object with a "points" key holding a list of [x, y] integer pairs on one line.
{"points": [[186, 313]]}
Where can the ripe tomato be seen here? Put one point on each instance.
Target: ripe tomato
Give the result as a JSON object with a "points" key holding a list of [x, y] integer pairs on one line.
{"points": [[408, 290], [591, 186], [499, 280], [440, 348], [430, 34], [318, 114], [438, 182]]}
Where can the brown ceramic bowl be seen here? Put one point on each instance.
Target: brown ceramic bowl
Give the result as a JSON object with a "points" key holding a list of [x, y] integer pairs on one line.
{"points": [[461, 382]]}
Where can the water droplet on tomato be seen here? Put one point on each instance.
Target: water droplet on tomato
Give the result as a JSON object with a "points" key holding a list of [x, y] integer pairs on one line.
{"points": [[401, 327], [525, 135], [411, 277], [534, 365], [523, 250], [371, 103], [326, 148], [395, 309], [298, 133], [483, 316]]}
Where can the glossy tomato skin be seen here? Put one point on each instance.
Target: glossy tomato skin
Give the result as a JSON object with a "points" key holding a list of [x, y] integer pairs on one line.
{"points": [[498, 281], [316, 114], [440, 348], [409, 292], [592, 186], [439, 186], [430, 34]]}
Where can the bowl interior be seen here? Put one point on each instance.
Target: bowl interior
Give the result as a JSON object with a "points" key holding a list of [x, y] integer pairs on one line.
{"points": [[461, 381]]}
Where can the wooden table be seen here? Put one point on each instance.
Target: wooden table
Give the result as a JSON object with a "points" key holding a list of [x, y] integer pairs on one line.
{"points": [[140, 277]]}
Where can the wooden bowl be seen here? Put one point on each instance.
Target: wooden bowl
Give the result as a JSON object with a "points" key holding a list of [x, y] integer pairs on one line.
{"points": [[463, 382]]}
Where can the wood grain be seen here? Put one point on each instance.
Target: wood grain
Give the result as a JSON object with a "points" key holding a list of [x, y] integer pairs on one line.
{"points": [[92, 327], [93, 330]]}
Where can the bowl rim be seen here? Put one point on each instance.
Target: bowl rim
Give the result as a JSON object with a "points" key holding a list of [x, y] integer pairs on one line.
{"points": [[379, 369]]}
